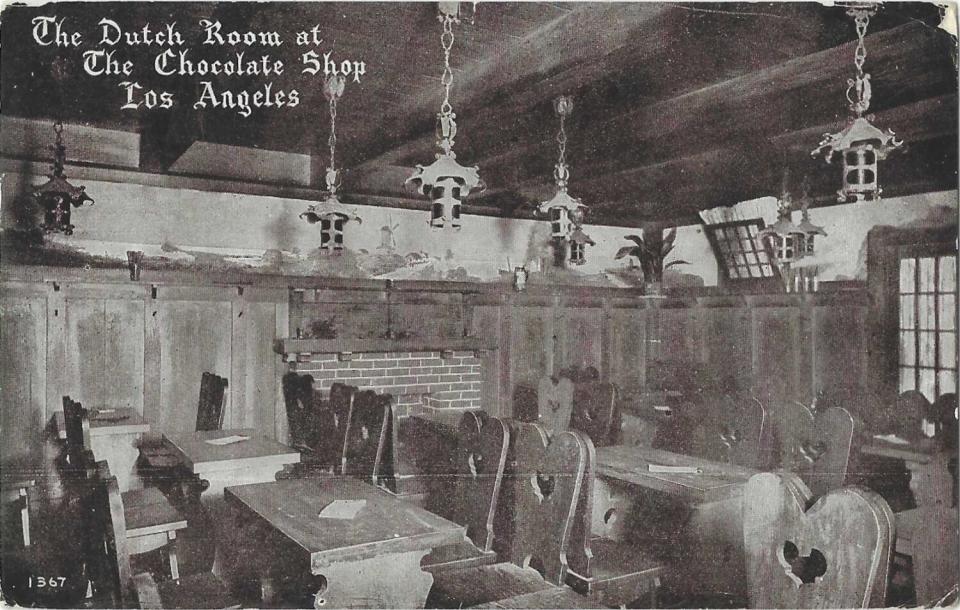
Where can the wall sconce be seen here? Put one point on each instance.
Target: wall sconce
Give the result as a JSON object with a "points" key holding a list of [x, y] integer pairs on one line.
{"points": [[445, 181], [56, 196]]}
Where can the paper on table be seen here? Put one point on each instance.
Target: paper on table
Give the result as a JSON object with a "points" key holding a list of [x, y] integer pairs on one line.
{"points": [[674, 469], [891, 438], [662, 408], [227, 440], [342, 509]]}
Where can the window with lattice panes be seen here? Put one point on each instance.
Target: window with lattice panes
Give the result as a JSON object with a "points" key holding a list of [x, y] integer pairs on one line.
{"points": [[928, 324], [740, 251]]}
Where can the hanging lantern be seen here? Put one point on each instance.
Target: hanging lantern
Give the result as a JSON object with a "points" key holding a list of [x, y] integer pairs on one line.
{"points": [[784, 239], [808, 229], [331, 213], [861, 145], [445, 181], [578, 246], [57, 195], [564, 211]]}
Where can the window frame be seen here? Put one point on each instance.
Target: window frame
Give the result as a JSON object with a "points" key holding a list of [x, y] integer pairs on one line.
{"points": [[918, 251], [726, 279]]}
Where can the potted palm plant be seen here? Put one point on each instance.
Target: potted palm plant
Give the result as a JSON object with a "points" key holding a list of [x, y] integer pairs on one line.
{"points": [[650, 250]]}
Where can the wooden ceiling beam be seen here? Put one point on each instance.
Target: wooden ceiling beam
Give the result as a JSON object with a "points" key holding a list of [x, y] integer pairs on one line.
{"points": [[745, 109]]}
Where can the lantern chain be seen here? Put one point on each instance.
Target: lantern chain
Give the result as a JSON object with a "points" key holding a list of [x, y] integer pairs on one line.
{"points": [[563, 106], [59, 149], [446, 116], [860, 86], [332, 90]]}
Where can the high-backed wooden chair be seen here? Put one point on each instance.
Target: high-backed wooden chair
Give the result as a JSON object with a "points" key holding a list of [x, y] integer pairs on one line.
{"points": [[834, 554], [368, 431], [152, 521], [474, 485], [554, 403], [614, 573], [157, 462], [817, 446], [210, 405], [736, 430], [313, 428], [595, 412], [340, 405], [525, 407], [114, 579], [546, 492]]}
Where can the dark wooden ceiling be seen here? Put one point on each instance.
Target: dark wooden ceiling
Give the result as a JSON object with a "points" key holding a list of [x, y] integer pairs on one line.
{"points": [[679, 107]]}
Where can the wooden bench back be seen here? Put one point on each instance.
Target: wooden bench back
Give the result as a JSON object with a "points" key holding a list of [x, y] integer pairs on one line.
{"points": [[834, 554], [478, 469], [817, 446], [368, 430], [595, 412], [546, 482], [210, 404]]}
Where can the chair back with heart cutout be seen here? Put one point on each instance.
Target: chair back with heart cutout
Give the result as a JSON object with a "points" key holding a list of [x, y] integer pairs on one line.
{"points": [[834, 554], [595, 412], [546, 488], [554, 403], [367, 432], [478, 467], [817, 445], [736, 431]]}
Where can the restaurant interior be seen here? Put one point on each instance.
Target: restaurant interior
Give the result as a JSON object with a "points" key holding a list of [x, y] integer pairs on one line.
{"points": [[500, 305]]}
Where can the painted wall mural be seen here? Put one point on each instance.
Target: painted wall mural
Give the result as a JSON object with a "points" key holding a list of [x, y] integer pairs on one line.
{"points": [[178, 228]]}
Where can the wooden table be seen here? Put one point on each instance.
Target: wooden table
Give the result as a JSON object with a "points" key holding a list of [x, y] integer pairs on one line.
{"points": [[700, 514], [114, 436], [255, 460], [258, 459], [630, 464], [372, 560], [928, 533]]}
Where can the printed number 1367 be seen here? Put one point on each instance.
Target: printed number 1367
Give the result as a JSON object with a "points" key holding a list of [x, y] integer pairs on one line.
{"points": [[43, 581]]}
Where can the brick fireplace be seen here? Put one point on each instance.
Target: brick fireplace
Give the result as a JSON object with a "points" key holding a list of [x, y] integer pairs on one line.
{"points": [[418, 380]]}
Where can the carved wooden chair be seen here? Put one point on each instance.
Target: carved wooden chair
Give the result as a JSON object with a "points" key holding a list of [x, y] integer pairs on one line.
{"points": [[340, 406], [474, 486], [366, 449], [615, 573], [114, 578], [546, 491], [161, 466], [210, 405], [312, 428], [736, 430], [817, 445], [834, 553], [554, 403], [595, 412], [152, 521], [525, 407]]}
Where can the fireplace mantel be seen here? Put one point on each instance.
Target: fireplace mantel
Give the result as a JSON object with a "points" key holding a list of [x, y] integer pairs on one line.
{"points": [[294, 347]]}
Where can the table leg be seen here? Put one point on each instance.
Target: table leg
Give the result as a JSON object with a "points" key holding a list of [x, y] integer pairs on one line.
{"points": [[25, 515], [121, 452], [385, 581]]}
